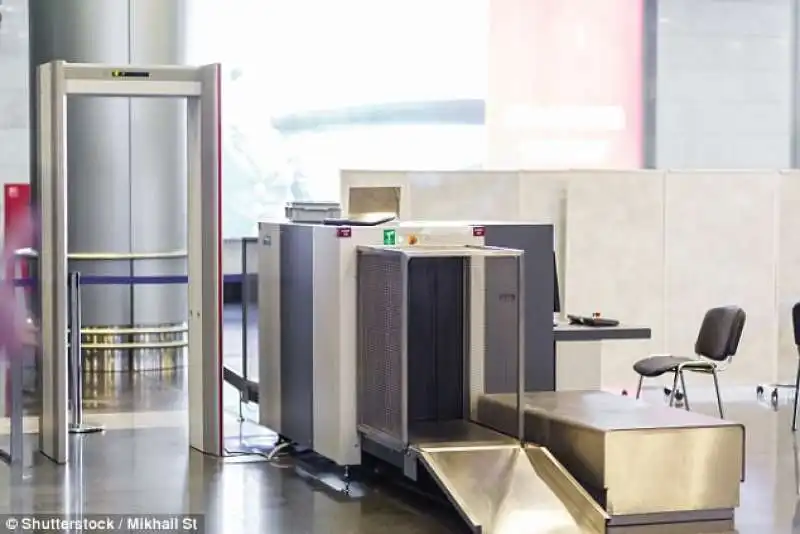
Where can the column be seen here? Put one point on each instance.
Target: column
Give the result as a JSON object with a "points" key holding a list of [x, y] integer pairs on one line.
{"points": [[126, 157]]}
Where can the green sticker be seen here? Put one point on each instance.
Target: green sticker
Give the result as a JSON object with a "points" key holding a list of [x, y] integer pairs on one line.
{"points": [[389, 237]]}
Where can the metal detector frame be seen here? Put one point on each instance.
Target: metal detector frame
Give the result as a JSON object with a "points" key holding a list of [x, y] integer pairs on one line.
{"points": [[200, 86]]}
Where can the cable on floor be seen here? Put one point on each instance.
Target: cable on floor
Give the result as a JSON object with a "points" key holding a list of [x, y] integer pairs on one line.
{"points": [[279, 452]]}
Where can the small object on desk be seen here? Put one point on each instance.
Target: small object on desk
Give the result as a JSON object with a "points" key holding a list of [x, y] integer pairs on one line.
{"points": [[595, 321]]}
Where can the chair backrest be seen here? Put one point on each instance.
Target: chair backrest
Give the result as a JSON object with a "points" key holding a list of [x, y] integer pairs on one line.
{"points": [[796, 323], [720, 333]]}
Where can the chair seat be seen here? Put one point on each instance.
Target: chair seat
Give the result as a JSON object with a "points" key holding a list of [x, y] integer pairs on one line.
{"points": [[658, 365]]}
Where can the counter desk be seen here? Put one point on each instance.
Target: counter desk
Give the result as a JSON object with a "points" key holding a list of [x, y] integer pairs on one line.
{"points": [[580, 351]]}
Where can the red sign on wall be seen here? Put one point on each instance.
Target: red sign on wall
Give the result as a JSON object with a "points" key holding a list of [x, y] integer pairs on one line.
{"points": [[565, 84], [16, 208]]}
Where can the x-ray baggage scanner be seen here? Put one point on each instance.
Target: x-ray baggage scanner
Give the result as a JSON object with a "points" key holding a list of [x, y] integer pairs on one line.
{"points": [[380, 339], [409, 343], [307, 321], [200, 86]]}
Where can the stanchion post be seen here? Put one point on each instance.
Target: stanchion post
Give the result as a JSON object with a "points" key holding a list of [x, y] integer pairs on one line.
{"points": [[17, 376], [244, 391], [76, 424], [245, 308], [75, 395]]}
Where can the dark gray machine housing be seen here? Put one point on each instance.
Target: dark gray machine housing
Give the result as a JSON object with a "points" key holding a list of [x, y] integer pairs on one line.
{"points": [[536, 241]]}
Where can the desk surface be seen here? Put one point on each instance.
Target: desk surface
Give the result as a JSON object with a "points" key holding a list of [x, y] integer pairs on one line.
{"points": [[570, 332]]}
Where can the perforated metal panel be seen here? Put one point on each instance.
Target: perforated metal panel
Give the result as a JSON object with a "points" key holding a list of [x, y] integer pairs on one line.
{"points": [[381, 295]]}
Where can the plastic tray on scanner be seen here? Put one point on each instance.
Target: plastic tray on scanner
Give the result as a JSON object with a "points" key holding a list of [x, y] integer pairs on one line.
{"points": [[312, 212]]}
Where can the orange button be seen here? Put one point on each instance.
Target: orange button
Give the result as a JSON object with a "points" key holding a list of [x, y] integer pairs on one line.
{"points": [[412, 240]]}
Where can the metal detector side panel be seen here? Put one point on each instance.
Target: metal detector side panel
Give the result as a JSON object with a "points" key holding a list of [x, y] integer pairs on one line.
{"points": [[205, 265], [52, 273]]}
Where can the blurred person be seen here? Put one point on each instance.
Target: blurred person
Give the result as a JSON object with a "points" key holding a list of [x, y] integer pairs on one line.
{"points": [[17, 330]]}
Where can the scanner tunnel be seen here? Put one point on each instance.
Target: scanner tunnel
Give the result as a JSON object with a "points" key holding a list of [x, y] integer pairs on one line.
{"points": [[423, 317]]}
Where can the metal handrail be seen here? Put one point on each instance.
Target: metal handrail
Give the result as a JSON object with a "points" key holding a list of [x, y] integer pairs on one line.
{"points": [[106, 331], [126, 256], [135, 346], [30, 253]]}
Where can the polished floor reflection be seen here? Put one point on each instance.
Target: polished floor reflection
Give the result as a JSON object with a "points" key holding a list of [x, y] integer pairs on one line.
{"points": [[142, 464], [151, 470]]}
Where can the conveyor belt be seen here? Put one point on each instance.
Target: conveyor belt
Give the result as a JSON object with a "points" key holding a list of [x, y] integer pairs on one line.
{"points": [[643, 463], [500, 487]]}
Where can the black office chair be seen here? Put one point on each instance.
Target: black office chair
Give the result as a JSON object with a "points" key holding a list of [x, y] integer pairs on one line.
{"points": [[717, 342], [796, 328]]}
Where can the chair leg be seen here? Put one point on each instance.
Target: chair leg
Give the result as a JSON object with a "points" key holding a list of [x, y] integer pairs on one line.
{"points": [[719, 396], [796, 388], [641, 381], [683, 387], [674, 391]]}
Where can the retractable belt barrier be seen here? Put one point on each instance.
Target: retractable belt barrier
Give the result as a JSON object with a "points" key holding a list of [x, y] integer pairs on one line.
{"points": [[76, 281]]}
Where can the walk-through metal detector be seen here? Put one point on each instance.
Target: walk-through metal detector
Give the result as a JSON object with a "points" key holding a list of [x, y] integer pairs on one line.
{"points": [[200, 86]]}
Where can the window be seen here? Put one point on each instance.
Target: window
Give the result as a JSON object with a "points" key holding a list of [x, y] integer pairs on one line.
{"points": [[313, 87]]}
